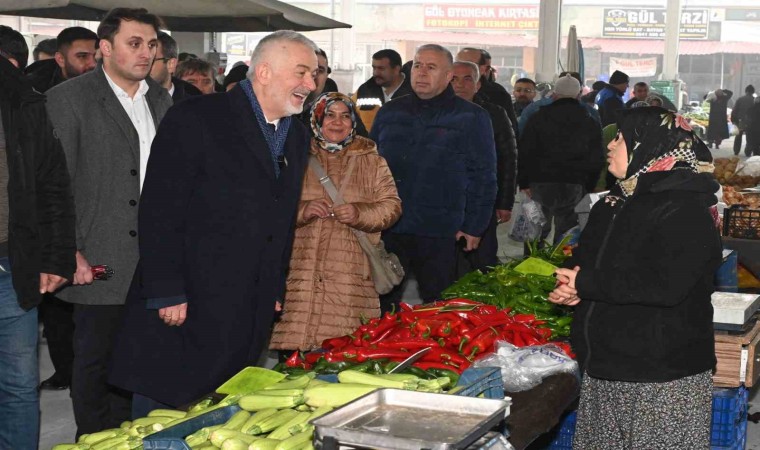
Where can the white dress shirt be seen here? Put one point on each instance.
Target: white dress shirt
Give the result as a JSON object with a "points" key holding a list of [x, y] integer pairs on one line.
{"points": [[139, 113]]}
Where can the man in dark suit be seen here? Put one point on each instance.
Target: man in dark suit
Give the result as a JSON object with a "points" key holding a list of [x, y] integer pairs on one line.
{"points": [[217, 219], [106, 120], [164, 66]]}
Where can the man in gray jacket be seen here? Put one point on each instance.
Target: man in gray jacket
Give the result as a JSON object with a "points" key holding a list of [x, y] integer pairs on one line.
{"points": [[106, 120]]}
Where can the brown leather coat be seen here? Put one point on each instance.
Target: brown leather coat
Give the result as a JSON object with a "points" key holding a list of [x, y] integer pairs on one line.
{"points": [[329, 285]]}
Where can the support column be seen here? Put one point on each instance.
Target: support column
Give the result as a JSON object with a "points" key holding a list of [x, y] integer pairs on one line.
{"points": [[548, 40], [672, 34]]}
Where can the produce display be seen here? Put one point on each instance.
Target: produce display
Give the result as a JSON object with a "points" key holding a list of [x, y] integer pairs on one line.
{"points": [[522, 286], [275, 417], [458, 331]]}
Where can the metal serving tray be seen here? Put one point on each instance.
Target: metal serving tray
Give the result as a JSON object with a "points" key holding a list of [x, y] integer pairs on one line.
{"points": [[397, 419]]}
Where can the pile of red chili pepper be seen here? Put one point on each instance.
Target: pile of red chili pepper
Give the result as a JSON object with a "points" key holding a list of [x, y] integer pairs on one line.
{"points": [[458, 331]]}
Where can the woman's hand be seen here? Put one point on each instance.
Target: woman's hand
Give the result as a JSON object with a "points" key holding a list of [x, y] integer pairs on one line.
{"points": [[346, 214], [317, 208], [565, 292]]}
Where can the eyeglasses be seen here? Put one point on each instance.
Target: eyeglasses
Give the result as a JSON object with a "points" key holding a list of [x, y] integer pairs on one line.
{"points": [[526, 90]]}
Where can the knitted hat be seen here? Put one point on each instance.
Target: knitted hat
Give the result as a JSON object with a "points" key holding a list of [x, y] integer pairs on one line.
{"points": [[567, 86], [618, 77]]}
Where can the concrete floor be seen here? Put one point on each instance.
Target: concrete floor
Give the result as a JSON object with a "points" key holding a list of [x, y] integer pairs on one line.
{"points": [[57, 415]]}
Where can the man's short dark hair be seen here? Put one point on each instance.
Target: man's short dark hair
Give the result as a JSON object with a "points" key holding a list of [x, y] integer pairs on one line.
{"points": [[13, 45], [48, 46], [69, 35], [111, 23], [393, 57], [484, 55], [526, 80], [168, 45], [195, 65], [640, 84], [749, 89]]}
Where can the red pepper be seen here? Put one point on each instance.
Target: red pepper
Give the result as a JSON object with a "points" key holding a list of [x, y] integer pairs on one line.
{"points": [[425, 365], [437, 354], [405, 307], [383, 335], [363, 354], [545, 333], [410, 344], [338, 342], [296, 360], [400, 333], [477, 331], [487, 309], [312, 357], [524, 318], [482, 343]]}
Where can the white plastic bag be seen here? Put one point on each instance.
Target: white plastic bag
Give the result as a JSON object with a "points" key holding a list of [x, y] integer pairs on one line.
{"points": [[524, 368], [750, 167], [529, 223]]}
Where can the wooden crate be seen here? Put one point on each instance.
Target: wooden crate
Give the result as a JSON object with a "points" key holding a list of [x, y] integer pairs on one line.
{"points": [[738, 358]]}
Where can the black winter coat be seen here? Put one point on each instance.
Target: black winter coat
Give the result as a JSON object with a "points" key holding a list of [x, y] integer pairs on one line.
{"points": [[495, 93], [506, 153], [645, 281], [183, 90], [44, 75], [370, 89], [216, 229], [561, 143], [41, 235]]}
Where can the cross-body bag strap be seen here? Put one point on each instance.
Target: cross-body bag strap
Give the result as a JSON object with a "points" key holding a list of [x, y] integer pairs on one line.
{"points": [[329, 186]]}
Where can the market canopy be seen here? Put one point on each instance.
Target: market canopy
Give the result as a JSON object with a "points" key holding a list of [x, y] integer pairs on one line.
{"points": [[184, 15]]}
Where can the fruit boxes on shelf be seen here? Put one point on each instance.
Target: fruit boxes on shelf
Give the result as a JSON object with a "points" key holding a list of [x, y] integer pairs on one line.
{"points": [[728, 430], [741, 222]]}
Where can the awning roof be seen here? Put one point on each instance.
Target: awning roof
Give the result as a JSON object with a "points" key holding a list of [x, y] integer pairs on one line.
{"points": [[184, 15]]}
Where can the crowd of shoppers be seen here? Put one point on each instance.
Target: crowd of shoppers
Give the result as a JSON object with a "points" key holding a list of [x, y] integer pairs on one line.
{"points": [[207, 199]]}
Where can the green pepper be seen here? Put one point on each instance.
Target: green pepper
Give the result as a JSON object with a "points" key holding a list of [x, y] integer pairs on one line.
{"points": [[390, 366], [418, 372], [453, 376]]}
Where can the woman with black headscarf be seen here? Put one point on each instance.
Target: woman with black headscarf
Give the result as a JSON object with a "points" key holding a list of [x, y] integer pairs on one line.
{"points": [[329, 285], [642, 278]]}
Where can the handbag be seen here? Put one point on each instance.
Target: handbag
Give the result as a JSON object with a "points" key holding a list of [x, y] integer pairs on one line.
{"points": [[385, 266]]}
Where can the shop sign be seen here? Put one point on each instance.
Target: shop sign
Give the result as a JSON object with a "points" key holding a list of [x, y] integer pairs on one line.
{"points": [[236, 44], [744, 14], [489, 17], [649, 23], [642, 67]]}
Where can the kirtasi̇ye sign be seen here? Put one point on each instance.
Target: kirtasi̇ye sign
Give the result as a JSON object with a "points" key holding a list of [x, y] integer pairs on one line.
{"points": [[493, 17], [649, 23]]}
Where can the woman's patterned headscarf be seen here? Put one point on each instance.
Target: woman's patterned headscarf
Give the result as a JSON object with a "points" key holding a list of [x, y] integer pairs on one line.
{"points": [[319, 110], [659, 140]]}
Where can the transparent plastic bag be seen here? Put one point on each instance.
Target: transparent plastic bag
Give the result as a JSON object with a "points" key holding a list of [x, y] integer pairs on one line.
{"points": [[529, 223], [524, 368]]}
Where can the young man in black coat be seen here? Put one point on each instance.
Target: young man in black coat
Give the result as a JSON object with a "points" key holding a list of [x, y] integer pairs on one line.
{"points": [[217, 219], [36, 234]]}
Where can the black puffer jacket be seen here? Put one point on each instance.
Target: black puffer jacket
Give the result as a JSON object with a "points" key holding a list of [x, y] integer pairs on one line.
{"points": [[370, 89], [44, 75], [645, 281], [561, 143], [40, 204], [506, 153]]}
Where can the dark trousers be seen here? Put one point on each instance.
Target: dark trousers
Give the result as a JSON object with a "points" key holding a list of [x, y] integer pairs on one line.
{"points": [[484, 256], [58, 323], [558, 201], [431, 260], [97, 405], [142, 405], [738, 143]]}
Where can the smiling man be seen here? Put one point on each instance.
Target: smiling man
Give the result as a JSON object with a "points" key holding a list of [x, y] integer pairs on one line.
{"points": [[440, 149], [217, 219], [106, 120]]}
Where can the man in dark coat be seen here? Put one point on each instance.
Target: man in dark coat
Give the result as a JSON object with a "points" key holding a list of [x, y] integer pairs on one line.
{"points": [[440, 150], [106, 120], [217, 219], [561, 156], [610, 98], [717, 128], [75, 56], [753, 130], [36, 238], [164, 66], [739, 118], [490, 91], [466, 81]]}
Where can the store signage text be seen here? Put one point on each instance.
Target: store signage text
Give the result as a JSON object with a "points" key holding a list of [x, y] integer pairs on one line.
{"points": [[649, 23], [481, 16]]}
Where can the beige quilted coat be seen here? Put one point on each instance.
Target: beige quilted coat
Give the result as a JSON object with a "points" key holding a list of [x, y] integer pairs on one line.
{"points": [[329, 285]]}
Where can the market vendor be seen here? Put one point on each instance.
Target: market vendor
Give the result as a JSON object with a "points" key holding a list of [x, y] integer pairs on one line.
{"points": [[642, 279]]}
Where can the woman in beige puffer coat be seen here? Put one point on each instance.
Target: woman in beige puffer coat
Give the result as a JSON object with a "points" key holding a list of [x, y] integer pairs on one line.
{"points": [[329, 286]]}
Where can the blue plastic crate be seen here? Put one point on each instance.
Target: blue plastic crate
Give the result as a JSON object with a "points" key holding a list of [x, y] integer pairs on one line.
{"points": [[481, 380], [564, 439], [729, 418], [173, 438], [728, 429]]}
